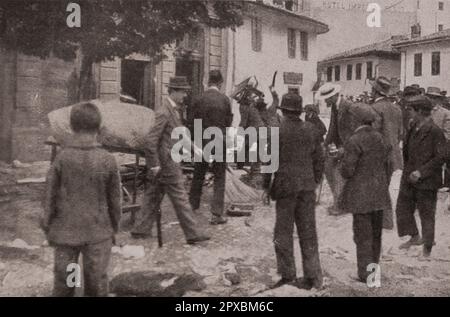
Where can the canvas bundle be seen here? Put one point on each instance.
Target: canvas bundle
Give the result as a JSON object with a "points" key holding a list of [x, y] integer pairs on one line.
{"points": [[124, 125]]}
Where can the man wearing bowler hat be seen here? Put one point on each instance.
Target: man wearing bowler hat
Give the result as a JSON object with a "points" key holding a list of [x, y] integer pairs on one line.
{"points": [[165, 175], [424, 155], [340, 129], [408, 92], [300, 170], [389, 122], [214, 110]]}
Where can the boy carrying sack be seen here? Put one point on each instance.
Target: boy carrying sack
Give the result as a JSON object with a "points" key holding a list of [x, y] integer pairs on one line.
{"points": [[83, 205]]}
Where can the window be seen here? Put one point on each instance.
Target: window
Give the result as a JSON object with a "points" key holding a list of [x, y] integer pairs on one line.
{"points": [[358, 71], [436, 63], [292, 44], [337, 73], [329, 74], [441, 6], [417, 65], [291, 5], [304, 46], [369, 70], [256, 34], [349, 72], [440, 27]]}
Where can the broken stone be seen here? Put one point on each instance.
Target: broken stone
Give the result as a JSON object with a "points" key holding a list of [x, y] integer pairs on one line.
{"points": [[19, 164], [286, 291], [20, 244], [152, 284], [234, 278], [133, 251], [39, 180]]}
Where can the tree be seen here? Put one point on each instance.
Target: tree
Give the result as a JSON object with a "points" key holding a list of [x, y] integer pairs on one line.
{"points": [[109, 28]]}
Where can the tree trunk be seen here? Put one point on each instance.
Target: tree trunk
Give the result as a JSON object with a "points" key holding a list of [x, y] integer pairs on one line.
{"points": [[87, 89]]}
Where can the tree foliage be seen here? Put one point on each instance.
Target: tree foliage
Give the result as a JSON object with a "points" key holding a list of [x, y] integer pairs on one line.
{"points": [[109, 28]]}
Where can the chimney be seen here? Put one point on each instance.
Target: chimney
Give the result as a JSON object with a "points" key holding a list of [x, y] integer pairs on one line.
{"points": [[415, 31]]}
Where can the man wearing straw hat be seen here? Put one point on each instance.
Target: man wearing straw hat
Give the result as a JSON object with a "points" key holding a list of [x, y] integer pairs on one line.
{"points": [[339, 131], [165, 175]]}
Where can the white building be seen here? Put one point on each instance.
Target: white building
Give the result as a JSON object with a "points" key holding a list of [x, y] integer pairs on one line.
{"points": [[275, 39], [347, 20], [433, 15], [426, 60], [354, 68]]}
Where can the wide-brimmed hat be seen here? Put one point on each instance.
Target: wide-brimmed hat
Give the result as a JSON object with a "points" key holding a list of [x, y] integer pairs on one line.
{"points": [[382, 85], [292, 102], [420, 102], [363, 113], [328, 90], [215, 77], [434, 92], [179, 82], [312, 108], [411, 91]]}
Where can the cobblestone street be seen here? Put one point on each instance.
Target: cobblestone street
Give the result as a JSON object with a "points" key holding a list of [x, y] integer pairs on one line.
{"points": [[243, 247]]}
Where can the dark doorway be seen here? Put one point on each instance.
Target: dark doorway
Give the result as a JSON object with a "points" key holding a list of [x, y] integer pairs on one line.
{"points": [[136, 82]]}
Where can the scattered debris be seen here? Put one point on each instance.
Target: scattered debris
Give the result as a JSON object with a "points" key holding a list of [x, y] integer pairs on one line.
{"points": [[240, 210], [19, 164], [153, 284], [286, 291], [129, 251], [24, 181], [234, 278], [20, 244]]}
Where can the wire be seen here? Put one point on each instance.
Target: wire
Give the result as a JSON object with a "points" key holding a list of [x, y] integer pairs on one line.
{"points": [[395, 4]]}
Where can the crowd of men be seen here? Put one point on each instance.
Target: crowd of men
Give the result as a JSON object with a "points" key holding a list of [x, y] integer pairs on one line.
{"points": [[358, 156]]}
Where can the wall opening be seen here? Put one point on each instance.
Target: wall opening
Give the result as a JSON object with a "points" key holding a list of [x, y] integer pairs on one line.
{"points": [[135, 85]]}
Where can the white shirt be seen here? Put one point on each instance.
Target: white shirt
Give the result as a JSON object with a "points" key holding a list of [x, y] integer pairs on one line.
{"points": [[173, 103], [338, 102], [213, 88]]}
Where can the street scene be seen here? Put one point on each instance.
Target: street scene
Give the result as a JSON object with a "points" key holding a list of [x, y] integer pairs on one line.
{"points": [[271, 148]]}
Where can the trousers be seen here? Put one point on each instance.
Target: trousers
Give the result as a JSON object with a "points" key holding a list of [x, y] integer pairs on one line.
{"points": [[96, 258], [367, 232], [219, 171], [298, 210]]}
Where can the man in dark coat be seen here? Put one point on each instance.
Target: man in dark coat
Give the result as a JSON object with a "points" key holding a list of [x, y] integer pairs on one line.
{"points": [[389, 122], [301, 163], [165, 174], [424, 154], [366, 193], [214, 109], [312, 116], [408, 92], [341, 128]]}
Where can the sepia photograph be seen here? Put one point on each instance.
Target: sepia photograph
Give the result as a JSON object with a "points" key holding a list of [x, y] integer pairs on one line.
{"points": [[225, 154]]}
